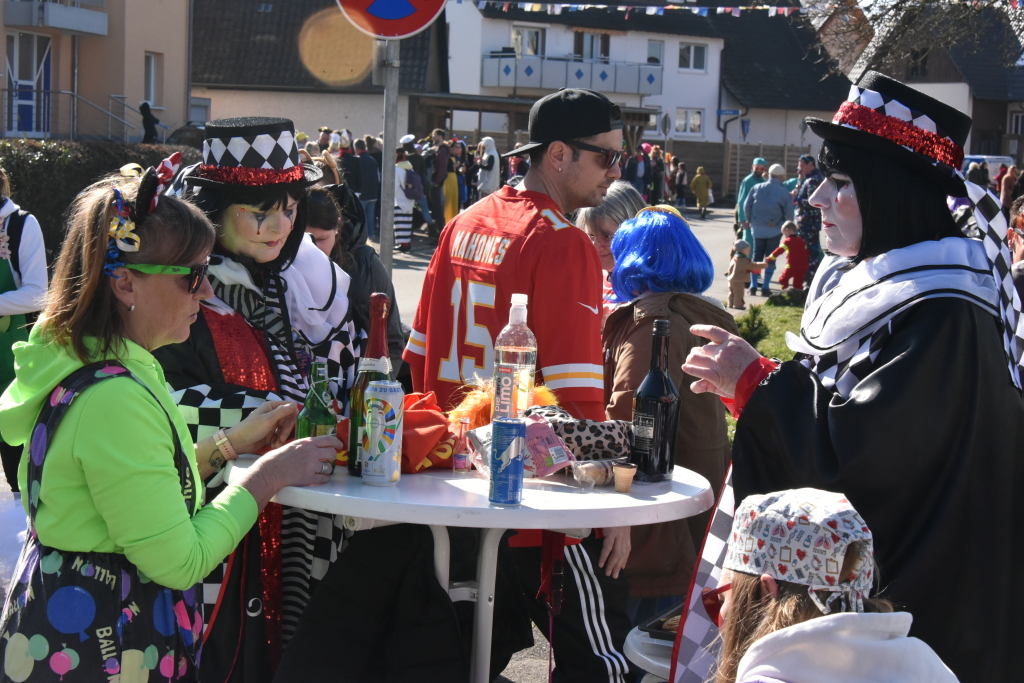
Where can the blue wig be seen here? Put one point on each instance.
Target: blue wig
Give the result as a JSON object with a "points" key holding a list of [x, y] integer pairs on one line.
{"points": [[657, 252]]}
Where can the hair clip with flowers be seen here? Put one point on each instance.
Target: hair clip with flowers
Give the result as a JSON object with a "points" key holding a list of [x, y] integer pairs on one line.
{"points": [[122, 227], [152, 182]]}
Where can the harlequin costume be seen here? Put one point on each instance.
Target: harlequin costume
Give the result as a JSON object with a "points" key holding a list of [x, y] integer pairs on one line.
{"points": [[906, 397], [118, 535], [795, 249], [253, 341]]}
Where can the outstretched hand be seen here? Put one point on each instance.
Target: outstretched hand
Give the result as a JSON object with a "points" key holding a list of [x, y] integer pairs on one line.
{"points": [[720, 364]]}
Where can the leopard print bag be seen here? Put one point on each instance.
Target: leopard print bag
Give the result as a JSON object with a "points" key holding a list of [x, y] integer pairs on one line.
{"points": [[588, 439]]}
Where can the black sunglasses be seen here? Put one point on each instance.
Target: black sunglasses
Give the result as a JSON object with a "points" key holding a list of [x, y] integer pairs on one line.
{"points": [[195, 274], [611, 156]]}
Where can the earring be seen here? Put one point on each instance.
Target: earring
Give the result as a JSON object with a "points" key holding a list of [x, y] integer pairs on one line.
{"points": [[131, 308], [559, 169]]}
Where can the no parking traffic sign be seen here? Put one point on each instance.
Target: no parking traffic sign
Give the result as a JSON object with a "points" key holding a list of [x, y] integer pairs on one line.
{"points": [[391, 19]]}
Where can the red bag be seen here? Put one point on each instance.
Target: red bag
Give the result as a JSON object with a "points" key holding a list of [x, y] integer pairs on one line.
{"points": [[426, 439]]}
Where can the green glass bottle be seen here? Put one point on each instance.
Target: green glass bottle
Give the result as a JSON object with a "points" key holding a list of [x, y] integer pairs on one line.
{"points": [[372, 367], [316, 417]]}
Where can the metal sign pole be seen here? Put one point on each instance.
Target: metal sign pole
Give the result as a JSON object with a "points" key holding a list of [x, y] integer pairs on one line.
{"points": [[390, 65]]}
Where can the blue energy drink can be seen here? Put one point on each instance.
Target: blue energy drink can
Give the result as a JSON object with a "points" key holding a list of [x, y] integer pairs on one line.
{"points": [[508, 453]]}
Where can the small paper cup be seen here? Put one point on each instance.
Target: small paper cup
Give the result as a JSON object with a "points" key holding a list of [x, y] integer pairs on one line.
{"points": [[624, 474]]}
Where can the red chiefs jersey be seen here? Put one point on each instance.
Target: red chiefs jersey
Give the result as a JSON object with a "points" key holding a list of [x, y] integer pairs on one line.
{"points": [[511, 242]]}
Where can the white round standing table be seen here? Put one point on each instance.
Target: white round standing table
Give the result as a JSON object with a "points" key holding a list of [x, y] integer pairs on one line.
{"points": [[442, 498], [650, 654]]}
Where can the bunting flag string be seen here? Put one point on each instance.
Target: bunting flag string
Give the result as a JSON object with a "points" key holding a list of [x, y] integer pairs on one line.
{"points": [[557, 9], [772, 10]]}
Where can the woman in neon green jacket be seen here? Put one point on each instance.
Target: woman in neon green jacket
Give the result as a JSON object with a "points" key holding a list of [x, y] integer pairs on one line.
{"points": [[118, 532]]}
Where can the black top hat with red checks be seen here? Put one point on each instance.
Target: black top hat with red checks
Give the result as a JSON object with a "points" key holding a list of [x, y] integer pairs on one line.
{"points": [[252, 151], [893, 120]]}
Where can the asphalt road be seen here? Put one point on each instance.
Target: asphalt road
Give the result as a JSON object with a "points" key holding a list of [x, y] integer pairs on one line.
{"points": [[715, 233]]}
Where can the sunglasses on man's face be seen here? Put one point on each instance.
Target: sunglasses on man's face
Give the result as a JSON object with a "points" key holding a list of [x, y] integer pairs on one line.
{"points": [[195, 274], [611, 156]]}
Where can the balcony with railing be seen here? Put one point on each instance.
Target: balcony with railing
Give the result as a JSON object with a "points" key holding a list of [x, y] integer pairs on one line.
{"points": [[72, 16], [506, 70], [62, 115]]}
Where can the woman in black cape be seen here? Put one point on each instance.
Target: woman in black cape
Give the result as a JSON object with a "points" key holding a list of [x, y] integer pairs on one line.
{"points": [[905, 393]]}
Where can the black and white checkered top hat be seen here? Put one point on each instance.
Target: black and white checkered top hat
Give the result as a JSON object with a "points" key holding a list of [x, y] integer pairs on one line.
{"points": [[252, 151], [891, 119]]}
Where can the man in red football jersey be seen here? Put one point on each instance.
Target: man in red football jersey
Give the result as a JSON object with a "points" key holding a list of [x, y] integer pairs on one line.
{"points": [[518, 240]]}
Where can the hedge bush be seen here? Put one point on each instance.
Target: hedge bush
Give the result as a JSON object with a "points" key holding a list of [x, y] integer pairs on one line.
{"points": [[47, 175]]}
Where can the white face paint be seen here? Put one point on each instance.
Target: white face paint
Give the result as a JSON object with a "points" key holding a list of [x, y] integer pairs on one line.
{"points": [[841, 221]]}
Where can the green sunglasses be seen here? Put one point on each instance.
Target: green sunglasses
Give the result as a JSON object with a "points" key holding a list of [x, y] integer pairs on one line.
{"points": [[195, 274]]}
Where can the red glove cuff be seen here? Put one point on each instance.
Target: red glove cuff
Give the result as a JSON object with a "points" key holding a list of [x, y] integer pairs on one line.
{"points": [[751, 377]]}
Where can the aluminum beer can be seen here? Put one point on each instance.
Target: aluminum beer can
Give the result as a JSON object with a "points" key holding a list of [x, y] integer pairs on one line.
{"points": [[508, 452], [381, 449]]}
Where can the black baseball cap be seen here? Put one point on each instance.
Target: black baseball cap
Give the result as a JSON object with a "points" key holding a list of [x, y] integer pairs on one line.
{"points": [[569, 114]]}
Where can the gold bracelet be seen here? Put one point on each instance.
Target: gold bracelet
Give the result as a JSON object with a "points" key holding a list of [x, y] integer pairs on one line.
{"points": [[223, 445]]}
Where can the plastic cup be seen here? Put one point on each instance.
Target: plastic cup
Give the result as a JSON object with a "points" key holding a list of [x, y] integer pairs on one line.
{"points": [[624, 474]]}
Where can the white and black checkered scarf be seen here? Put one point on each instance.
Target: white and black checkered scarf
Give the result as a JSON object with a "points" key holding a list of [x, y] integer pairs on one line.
{"points": [[850, 315]]}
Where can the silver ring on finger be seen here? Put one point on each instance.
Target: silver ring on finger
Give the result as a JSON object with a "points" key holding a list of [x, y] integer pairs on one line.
{"points": [[325, 467]]}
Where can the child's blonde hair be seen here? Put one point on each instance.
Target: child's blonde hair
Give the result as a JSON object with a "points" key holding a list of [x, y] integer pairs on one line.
{"points": [[789, 225]]}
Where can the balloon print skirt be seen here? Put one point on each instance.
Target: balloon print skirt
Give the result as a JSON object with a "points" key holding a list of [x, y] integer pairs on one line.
{"points": [[83, 617]]}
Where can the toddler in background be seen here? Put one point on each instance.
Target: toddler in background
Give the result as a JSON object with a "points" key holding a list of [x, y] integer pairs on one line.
{"points": [[797, 257], [739, 273], [794, 600]]}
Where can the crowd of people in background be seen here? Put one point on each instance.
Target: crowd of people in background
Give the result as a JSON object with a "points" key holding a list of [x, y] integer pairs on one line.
{"points": [[441, 174], [765, 203]]}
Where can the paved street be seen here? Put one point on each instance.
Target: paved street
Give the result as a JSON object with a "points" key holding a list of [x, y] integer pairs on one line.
{"points": [[715, 233]]}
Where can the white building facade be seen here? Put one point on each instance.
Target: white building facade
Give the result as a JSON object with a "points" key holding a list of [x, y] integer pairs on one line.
{"points": [[677, 75]]}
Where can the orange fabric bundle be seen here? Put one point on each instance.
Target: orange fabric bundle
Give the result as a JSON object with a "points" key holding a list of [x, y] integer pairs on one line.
{"points": [[426, 439], [477, 403]]}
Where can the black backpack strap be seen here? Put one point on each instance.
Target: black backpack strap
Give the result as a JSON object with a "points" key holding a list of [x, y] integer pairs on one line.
{"points": [[57, 406], [15, 226]]}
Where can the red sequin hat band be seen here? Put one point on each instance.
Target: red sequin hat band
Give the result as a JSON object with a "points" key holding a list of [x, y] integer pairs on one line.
{"points": [[243, 175], [932, 145]]}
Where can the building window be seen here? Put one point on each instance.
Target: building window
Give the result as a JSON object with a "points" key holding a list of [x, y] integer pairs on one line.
{"points": [[152, 85], [1017, 123], [918, 68], [655, 51], [692, 57], [528, 42], [690, 121], [591, 46], [199, 109]]}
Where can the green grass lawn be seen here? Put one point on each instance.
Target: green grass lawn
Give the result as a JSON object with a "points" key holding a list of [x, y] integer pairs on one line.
{"points": [[779, 320]]}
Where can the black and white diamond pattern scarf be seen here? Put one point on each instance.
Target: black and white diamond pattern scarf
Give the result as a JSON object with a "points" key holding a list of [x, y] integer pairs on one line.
{"points": [[850, 315]]}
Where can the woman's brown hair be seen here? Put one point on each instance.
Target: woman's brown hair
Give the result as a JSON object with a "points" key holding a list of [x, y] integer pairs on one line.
{"points": [[753, 616], [80, 302], [325, 214]]}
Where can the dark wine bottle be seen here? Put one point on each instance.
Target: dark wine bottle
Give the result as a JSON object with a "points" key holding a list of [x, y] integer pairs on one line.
{"points": [[374, 365], [655, 415]]}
